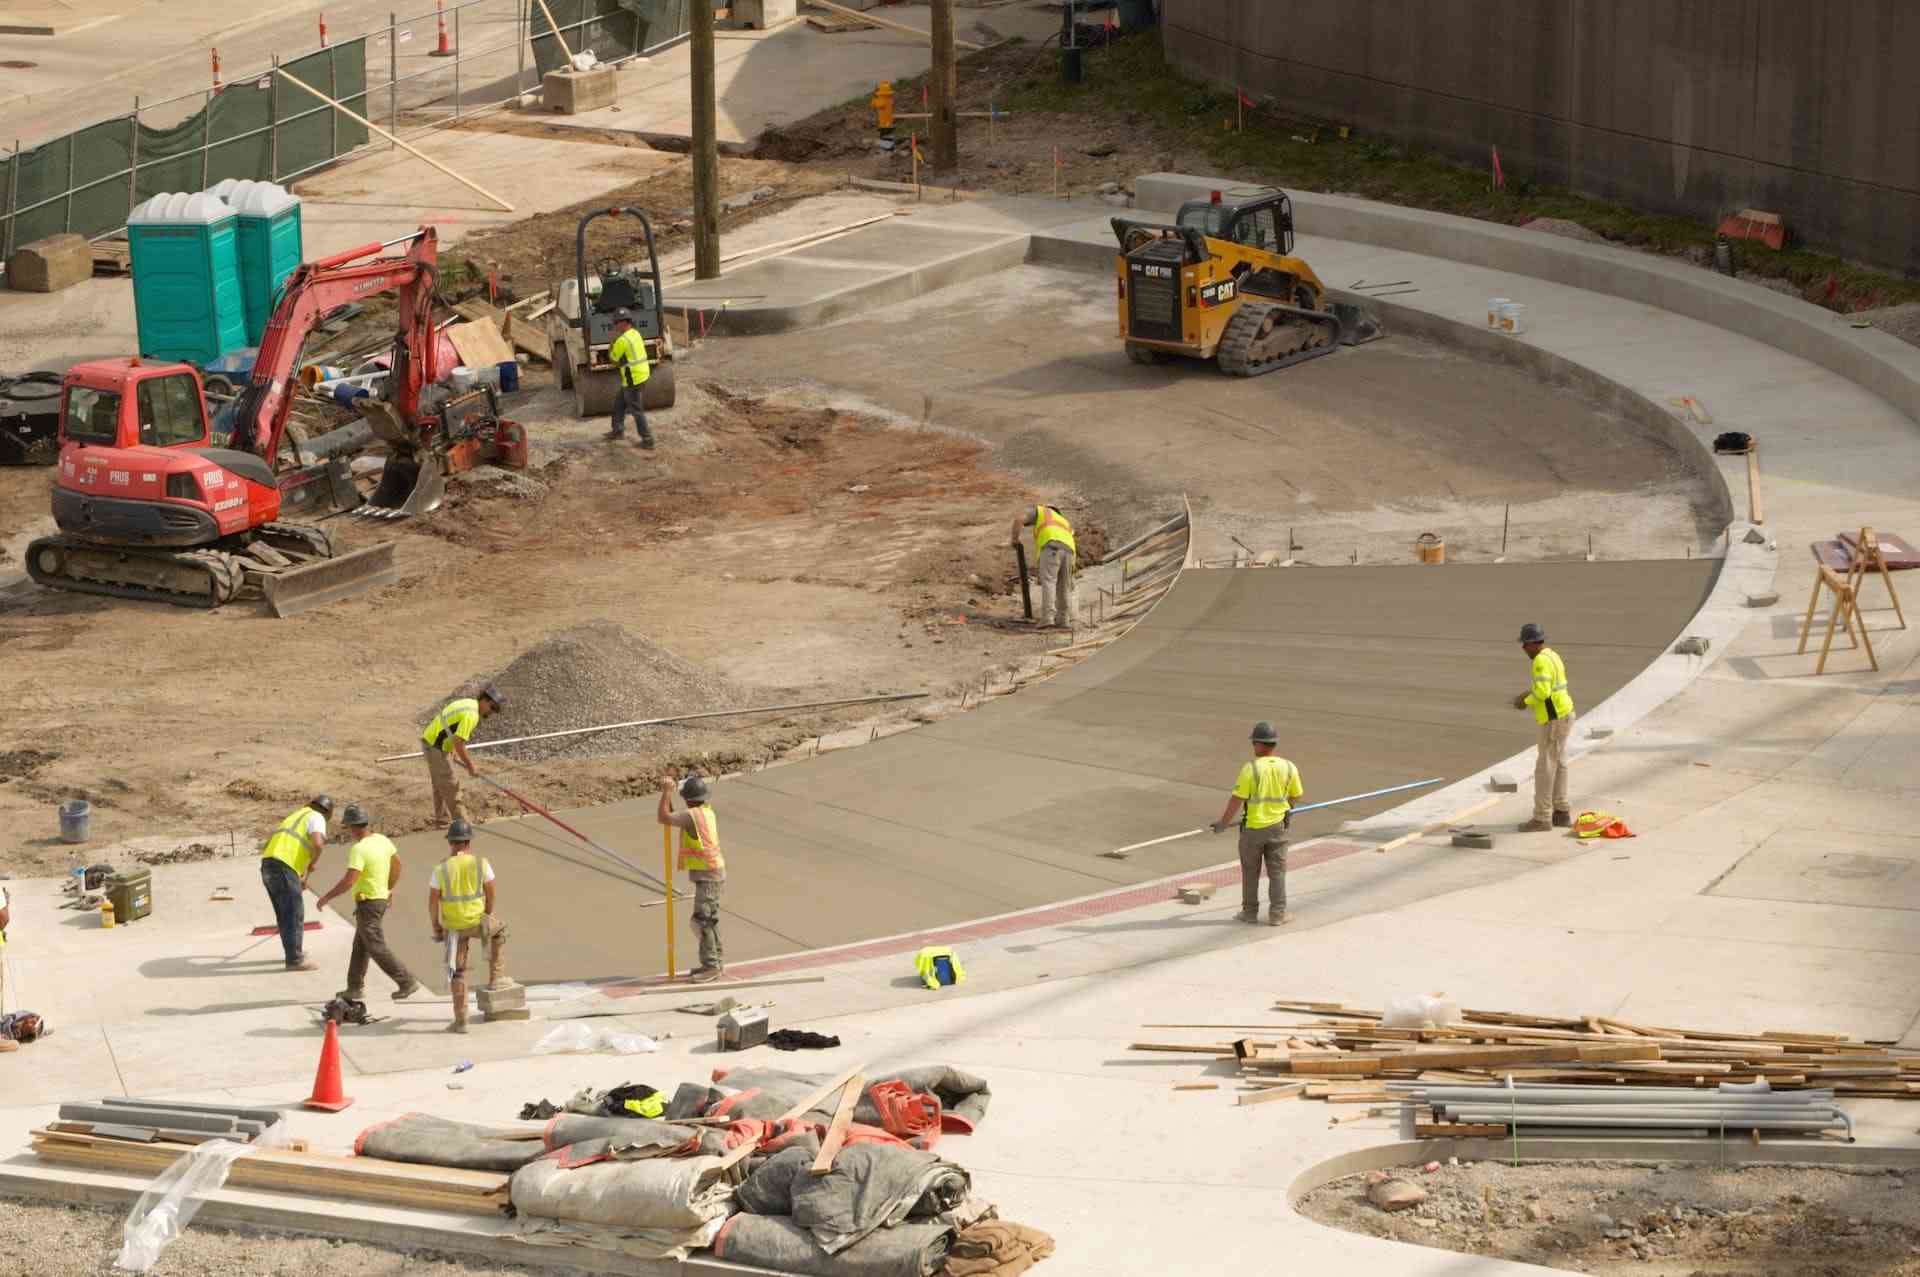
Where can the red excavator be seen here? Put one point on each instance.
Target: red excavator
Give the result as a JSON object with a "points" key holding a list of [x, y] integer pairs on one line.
{"points": [[155, 501]]}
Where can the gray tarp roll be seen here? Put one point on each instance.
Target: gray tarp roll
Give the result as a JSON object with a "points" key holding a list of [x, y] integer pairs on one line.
{"points": [[434, 1141], [776, 1242], [654, 1193], [962, 1095], [870, 1186]]}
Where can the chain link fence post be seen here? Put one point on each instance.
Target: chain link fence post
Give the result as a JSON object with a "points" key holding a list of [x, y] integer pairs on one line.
{"points": [[393, 76], [459, 56], [273, 121], [13, 199], [206, 139], [133, 157]]}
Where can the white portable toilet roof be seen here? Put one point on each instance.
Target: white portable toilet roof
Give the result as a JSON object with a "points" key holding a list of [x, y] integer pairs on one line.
{"points": [[260, 199], [224, 186], [181, 208]]}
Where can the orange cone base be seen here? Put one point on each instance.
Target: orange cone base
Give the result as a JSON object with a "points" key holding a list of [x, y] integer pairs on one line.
{"points": [[331, 1106]]}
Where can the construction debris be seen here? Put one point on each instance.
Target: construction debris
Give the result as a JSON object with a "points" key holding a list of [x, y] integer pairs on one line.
{"points": [[1346, 1056]]}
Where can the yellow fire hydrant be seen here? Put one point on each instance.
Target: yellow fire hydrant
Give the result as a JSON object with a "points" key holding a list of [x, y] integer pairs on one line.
{"points": [[882, 104]]}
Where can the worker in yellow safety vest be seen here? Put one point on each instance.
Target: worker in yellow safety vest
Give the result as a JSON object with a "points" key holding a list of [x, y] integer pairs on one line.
{"points": [[1262, 805], [448, 733], [289, 856], [372, 875], [6, 918], [1053, 554], [706, 865], [1552, 707], [460, 908], [628, 355]]}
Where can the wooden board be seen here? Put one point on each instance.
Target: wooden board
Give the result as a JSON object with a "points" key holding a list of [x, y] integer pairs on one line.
{"points": [[480, 343], [1457, 1130], [1269, 1094], [112, 257], [837, 1129]]}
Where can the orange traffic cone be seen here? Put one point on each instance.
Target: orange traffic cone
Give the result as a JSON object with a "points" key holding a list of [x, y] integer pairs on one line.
{"points": [[326, 1079], [443, 49]]}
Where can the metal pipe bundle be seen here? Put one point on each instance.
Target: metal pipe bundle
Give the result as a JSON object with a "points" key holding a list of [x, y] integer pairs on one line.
{"points": [[1588, 1110]]}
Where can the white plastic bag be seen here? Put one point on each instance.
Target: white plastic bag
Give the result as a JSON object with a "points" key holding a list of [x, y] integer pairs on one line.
{"points": [[174, 1198], [574, 1037], [585, 60], [1420, 1011]]}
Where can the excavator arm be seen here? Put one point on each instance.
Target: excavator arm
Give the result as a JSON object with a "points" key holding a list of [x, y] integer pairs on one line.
{"points": [[310, 293]]}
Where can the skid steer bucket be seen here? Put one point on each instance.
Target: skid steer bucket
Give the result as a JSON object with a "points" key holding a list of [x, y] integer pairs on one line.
{"points": [[1357, 326], [325, 580]]}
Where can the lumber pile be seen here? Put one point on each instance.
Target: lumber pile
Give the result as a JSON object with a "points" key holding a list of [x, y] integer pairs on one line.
{"points": [[365, 1179], [1344, 1055]]}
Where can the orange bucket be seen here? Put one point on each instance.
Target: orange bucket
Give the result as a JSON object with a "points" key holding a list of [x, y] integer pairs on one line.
{"points": [[512, 438], [1430, 548]]}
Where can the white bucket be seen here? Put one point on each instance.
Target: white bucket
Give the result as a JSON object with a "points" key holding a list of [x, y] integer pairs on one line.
{"points": [[461, 379], [1495, 307], [1513, 318]]}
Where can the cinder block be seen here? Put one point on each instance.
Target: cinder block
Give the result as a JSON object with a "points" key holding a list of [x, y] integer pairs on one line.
{"points": [[521, 1014], [1474, 839], [1193, 893], [510, 998], [1692, 645], [51, 264], [577, 92], [1767, 599], [1501, 783]]}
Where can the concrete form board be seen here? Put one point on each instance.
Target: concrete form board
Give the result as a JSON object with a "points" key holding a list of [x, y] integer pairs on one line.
{"points": [[1375, 676]]}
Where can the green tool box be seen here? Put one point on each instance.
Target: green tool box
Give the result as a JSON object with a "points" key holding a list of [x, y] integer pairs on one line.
{"points": [[131, 894]]}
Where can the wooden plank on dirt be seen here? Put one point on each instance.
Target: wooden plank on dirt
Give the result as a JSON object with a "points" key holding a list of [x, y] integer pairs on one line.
{"points": [[837, 1129], [480, 343]]}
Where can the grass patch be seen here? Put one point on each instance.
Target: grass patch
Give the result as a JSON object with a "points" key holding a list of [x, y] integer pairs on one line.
{"points": [[1132, 83]]}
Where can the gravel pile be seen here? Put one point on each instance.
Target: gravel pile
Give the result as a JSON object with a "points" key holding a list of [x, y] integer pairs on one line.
{"points": [[1569, 229], [588, 675], [1902, 321]]}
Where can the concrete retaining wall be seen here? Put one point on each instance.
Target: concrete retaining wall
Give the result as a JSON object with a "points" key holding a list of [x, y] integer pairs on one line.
{"points": [[1695, 109]]}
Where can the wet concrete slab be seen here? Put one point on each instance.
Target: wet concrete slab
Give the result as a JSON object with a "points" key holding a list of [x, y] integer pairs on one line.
{"points": [[1375, 676]]}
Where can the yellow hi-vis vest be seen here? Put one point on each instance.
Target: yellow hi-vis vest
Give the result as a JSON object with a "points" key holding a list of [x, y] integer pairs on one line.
{"points": [[1049, 525], [456, 718], [290, 844], [700, 846], [629, 354], [1270, 783], [463, 897], [1548, 695], [923, 965]]}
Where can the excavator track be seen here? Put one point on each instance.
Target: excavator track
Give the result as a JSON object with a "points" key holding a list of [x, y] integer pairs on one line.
{"points": [[1264, 337], [185, 578], [301, 539]]}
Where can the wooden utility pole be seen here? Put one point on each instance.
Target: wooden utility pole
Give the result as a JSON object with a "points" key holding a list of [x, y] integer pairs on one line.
{"points": [[945, 86], [706, 147]]}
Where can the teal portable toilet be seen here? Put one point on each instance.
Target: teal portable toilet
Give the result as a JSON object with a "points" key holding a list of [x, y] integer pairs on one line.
{"points": [[186, 278], [267, 228]]}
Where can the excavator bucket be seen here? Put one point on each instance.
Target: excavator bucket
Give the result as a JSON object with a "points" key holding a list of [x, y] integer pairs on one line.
{"points": [[325, 580], [408, 488], [1357, 326]]}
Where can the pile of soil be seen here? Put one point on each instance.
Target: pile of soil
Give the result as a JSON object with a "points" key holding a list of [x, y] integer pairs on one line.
{"points": [[1651, 1218], [592, 674]]}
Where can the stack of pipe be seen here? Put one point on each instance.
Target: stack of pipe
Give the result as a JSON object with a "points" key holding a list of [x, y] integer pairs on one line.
{"points": [[1541, 1110]]}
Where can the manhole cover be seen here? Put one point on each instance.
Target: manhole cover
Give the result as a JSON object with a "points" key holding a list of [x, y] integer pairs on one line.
{"points": [[15, 64]]}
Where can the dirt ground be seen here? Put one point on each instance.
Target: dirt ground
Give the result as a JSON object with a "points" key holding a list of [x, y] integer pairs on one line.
{"points": [[79, 1241], [794, 550], [1651, 1219]]}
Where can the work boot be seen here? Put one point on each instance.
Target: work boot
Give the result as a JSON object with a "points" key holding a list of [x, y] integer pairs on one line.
{"points": [[1563, 820], [497, 964], [614, 434], [406, 991], [458, 988], [705, 975], [1536, 827], [1248, 915], [301, 964], [1279, 919], [351, 995], [646, 441]]}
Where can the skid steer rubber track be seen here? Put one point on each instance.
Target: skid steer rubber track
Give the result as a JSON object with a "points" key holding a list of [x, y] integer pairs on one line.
{"points": [[185, 578], [1264, 337]]}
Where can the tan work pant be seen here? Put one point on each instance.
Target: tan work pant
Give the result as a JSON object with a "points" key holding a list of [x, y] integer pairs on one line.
{"points": [[370, 946], [1263, 848], [446, 787], [1056, 585], [1550, 768]]}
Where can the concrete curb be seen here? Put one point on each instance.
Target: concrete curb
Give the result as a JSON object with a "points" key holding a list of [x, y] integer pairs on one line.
{"points": [[1874, 360]]}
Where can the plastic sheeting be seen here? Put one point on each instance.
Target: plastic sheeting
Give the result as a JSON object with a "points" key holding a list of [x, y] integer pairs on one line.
{"points": [[776, 1242], [177, 1193]]}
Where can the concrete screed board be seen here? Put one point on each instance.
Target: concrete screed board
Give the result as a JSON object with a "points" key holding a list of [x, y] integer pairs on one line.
{"points": [[1374, 675]]}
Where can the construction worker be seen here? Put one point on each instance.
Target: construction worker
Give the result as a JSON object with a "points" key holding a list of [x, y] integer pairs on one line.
{"points": [[6, 917], [1552, 708], [1053, 553], [373, 871], [289, 856], [628, 354], [449, 733], [460, 907], [1261, 804], [701, 857]]}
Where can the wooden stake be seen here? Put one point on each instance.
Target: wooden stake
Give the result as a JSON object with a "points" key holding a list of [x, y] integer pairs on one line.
{"points": [[408, 148], [556, 34], [837, 1129], [666, 853], [888, 23]]}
